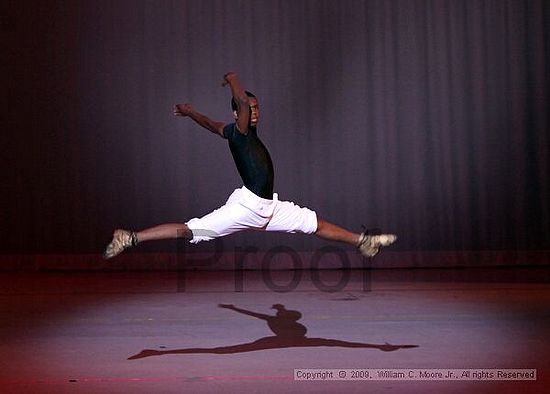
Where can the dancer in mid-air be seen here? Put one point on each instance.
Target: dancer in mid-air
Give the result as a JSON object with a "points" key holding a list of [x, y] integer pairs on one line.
{"points": [[253, 206]]}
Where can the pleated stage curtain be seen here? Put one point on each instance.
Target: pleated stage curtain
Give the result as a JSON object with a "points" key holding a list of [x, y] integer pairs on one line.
{"points": [[425, 118]]}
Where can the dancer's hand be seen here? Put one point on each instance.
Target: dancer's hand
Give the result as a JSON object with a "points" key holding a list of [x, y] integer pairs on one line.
{"points": [[227, 78], [227, 306], [183, 109]]}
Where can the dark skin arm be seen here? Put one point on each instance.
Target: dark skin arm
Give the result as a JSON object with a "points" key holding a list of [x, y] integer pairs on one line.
{"points": [[187, 110], [243, 111]]}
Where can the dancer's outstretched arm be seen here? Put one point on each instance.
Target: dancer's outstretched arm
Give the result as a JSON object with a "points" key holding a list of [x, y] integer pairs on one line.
{"points": [[187, 109], [240, 97]]}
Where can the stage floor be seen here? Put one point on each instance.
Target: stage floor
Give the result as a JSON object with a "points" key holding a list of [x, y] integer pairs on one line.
{"points": [[84, 332]]}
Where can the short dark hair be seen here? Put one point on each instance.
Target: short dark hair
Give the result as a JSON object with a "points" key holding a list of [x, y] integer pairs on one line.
{"points": [[234, 105]]}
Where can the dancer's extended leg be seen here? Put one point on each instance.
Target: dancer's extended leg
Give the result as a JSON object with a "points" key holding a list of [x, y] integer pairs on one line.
{"points": [[165, 231], [368, 245], [123, 239], [332, 232]]}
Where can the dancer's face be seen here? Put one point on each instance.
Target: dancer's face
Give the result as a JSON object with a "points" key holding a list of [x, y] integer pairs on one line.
{"points": [[254, 111]]}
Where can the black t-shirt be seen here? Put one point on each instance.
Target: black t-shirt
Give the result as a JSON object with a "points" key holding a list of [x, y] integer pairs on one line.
{"points": [[252, 160]]}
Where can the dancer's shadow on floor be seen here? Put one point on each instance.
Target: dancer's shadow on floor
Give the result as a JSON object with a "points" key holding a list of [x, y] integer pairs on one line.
{"points": [[288, 333]]}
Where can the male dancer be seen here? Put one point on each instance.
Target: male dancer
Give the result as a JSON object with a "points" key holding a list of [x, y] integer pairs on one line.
{"points": [[254, 206]]}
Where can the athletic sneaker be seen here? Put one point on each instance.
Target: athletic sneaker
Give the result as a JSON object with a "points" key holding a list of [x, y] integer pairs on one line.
{"points": [[369, 245], [122, 239]]}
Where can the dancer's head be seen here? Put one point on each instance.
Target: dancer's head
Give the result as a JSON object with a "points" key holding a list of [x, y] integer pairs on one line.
{"points": [[254, 110]]}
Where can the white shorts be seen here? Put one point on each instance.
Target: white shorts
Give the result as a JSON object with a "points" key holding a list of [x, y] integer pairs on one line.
{"points": [[244, 210]]}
